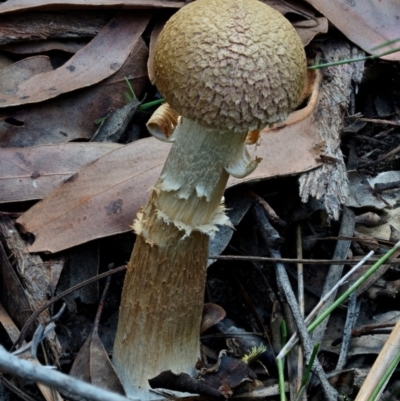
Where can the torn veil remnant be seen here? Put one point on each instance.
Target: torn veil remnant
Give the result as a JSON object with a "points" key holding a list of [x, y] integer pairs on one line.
{"points": [[226, 67]]}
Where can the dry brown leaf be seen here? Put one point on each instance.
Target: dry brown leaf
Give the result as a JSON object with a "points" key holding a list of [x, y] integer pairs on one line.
{"points": [[212, 314], [33, 172], [4, 62], [21, 71], [20, 5], [366, 23], [98, 201], [287, 151], [93, 366], [153, 41], [73, 116], [102, 57], [308, 23], [103, 198]]}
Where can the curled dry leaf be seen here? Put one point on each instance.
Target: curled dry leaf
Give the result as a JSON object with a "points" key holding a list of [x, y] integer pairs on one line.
{"points": [[102, 57], [366, 23], [308, 23], [212, 314], [163, 122]]}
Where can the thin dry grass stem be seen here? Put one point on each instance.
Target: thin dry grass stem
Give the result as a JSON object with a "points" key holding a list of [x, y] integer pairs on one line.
{"points": [[386, 357]]}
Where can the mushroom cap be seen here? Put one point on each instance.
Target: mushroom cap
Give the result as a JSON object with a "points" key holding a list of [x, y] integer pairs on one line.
{"points": [[234, 65]]}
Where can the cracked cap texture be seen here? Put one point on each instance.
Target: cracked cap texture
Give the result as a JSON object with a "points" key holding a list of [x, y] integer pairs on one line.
{"points": [[230, 64]]}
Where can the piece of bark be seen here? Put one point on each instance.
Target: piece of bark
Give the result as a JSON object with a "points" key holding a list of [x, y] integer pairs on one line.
{"points": [[71, 24], [32, 273], [330, 183]]}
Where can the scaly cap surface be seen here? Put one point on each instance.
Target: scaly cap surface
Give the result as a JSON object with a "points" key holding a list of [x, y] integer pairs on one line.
{"points": [[231, 64]]}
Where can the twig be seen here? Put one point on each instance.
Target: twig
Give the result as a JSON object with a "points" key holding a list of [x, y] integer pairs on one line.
{"points": [[294, 339], [380, 159], [272, 239], [27, 370], [300, 296], [335, 270], [101, 303], [372, 329], [354, 261], [18, 392], [353, 311], [375, 121], [76, 287]]}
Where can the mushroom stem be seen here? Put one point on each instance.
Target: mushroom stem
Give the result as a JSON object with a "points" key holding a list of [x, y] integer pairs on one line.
{"points": [[162, 299], [161, 307], [195, 174]]}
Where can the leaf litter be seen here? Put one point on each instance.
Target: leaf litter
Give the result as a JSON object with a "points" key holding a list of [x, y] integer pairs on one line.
{"points": [[75, 195]]}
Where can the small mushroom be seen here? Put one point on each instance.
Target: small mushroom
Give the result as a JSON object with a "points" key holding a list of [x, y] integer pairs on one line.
{"points": [[226, 67]]}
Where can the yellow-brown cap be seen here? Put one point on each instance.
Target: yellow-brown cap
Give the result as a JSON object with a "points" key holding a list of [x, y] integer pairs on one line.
{"points": [[230, 64]]}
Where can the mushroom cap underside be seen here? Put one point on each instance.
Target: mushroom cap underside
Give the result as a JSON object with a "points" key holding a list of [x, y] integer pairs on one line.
{"points": [[234, 65]]}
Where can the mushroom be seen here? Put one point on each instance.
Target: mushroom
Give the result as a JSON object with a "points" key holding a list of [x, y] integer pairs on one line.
{"points": [[227, 67]]}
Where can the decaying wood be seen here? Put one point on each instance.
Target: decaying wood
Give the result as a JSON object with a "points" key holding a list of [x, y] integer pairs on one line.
{"points": [[329, 183], [31, 272], [40, 26]]}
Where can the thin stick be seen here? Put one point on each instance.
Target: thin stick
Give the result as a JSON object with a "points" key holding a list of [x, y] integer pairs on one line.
{"points": [[354, 261], [76, 287], [300, 296], [376, 121], [335, 270], [353, 287], [272, 240], [294, 339], [353, 311], [38, 373]]}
